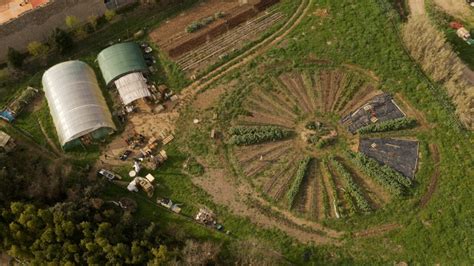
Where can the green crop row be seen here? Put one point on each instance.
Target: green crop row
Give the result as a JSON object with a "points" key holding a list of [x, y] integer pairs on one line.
{"points": [[337, 204], [295, 186], [242, 135], [390, 125], [352, 187], [373, 169]]}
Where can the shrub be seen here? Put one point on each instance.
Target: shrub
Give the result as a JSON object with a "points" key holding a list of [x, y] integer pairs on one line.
{"points": [[109, 15], [71, 22], [373, 169], [295, 186], [197, 25], [390, 125], [248, 135], [38, 49], [14, 58], [62, 40], [352, 187]]}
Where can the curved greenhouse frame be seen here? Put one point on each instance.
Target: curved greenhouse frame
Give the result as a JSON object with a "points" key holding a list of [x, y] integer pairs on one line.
{"points": [[75, 101], [121, 59]]}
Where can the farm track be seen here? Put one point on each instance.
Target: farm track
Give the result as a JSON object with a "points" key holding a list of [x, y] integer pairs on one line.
{"points": [[253, 106], [332, 195], [282, 181], [243, 59], [361, 97], [259, 166], [246, 154], [275, 103], [266, 119], [320, 212], [298, 80], [274, 178], [343, 87], [295, 92], [317, 87], [272, 115], [434, 177], [368, 188], [285, 95], [310, 91], [336, 79]]}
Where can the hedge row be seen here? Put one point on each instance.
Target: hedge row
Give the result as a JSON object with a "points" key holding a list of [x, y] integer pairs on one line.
{"points": [[390, 125], [295, 186], [248, 135], [351, 186], [373, 169]]}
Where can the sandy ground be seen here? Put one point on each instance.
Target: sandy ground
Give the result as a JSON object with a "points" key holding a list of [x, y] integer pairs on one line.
{"points": [[417, 7], [456, 8]]}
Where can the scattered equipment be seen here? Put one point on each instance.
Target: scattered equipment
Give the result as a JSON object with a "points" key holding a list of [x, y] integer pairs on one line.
{"points": [[461, 31], [108, 174]]}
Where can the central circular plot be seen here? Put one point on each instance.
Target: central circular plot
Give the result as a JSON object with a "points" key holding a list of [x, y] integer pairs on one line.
{"points": [[293, 145]]}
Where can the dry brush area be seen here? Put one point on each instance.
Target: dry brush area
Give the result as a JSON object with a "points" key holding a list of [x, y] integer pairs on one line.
{"points": [[430, 49]]}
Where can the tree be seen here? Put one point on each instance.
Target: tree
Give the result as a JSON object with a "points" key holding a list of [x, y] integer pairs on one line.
{"points": [[38, 49], [15, 59], [62, 40], [71, 22]]}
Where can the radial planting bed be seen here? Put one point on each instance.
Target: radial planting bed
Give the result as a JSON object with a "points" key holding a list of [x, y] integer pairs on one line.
{"points": [[317, 142]]}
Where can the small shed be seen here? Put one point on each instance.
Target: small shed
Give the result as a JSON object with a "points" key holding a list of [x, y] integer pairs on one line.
{"points": [[6, 142]]}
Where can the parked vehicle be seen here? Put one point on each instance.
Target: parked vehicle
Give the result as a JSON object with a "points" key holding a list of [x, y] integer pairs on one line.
{"points": [[108, 174], [124, 156]]}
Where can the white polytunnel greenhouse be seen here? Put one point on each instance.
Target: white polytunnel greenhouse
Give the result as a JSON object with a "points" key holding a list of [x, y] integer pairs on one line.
{"points": [[132, 87], [76, 102]]}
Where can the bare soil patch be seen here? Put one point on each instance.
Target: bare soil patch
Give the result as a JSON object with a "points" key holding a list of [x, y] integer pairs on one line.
{"points": [[378, 230], [174, 29], [209, 97], [434, 177]]}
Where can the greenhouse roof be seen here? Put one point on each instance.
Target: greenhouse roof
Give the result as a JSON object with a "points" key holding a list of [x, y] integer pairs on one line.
{"points": [[132, 87], [120, 59], [75, 100]]}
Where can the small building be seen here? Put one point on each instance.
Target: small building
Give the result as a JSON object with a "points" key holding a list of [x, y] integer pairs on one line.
{"points": [[123, 65], [76, 103], [7, 143]]}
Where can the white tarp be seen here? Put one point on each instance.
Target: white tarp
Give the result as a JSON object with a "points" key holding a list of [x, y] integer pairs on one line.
{"points": [[132, 87], [75, 100]]}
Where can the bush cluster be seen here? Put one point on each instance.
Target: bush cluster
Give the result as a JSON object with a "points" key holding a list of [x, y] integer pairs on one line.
{"points": [[295, 186], [373, 169], [352, 187], [197, 25], [390, 125], [248, 135]]}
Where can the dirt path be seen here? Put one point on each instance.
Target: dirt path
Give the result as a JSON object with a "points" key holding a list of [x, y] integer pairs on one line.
{"points": [[229, 193], [239, 61], [417, 7], [51, 143], [434, 178], [377, 230]]}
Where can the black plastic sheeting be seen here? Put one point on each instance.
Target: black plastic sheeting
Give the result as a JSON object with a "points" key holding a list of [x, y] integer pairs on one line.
{"points": [[401, 155], [381, 106]]}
